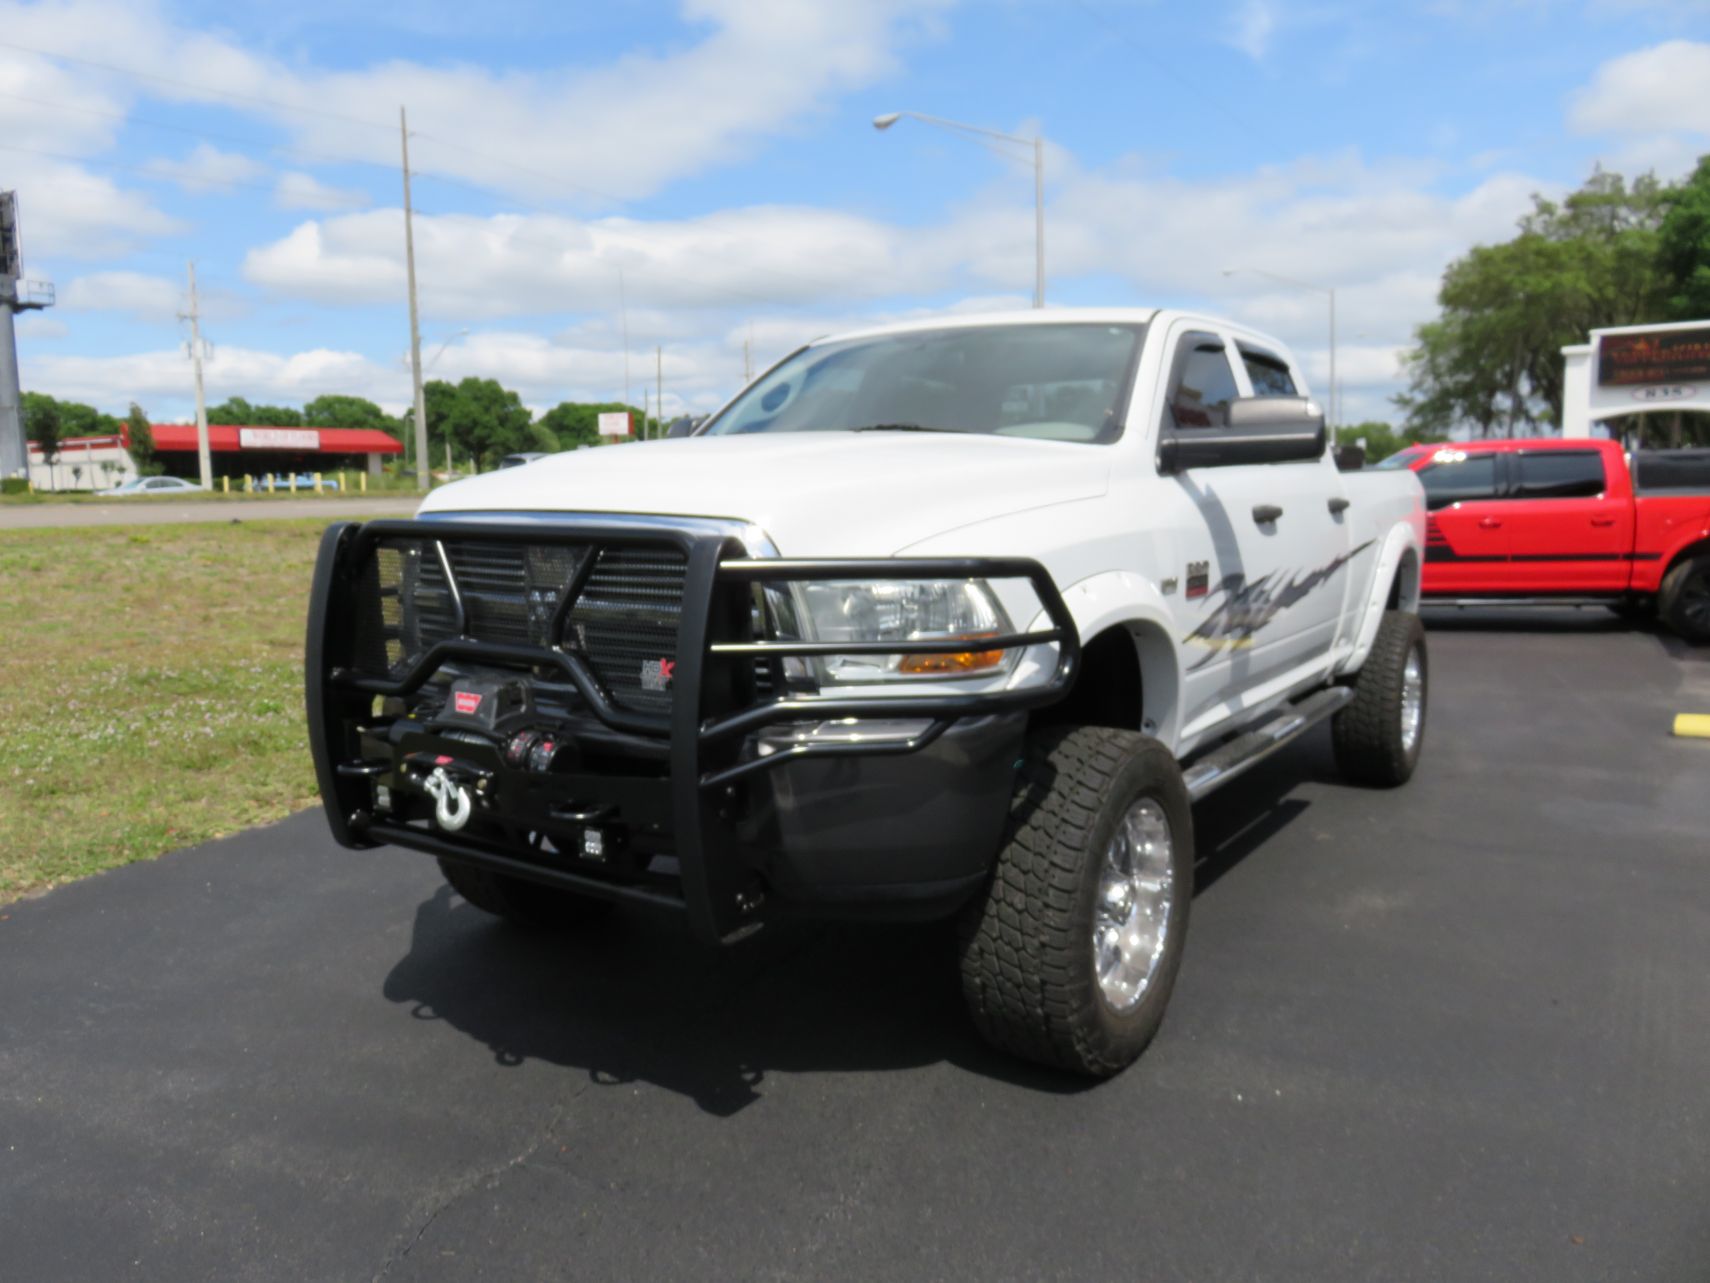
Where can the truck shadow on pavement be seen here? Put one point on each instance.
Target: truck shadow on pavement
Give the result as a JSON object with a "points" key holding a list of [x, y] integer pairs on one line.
{"points": [[635, 999]]}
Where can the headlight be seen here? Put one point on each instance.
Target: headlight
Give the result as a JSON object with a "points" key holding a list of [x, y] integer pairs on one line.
{"points": [[898, 610]]}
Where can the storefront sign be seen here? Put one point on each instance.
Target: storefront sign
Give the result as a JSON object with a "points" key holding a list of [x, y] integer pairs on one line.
{"points": [[279, 439], [614, 423], [1655, 356]]}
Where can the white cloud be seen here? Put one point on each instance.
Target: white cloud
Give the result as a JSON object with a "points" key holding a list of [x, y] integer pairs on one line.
{"points": [[511, 264], [1251, 27], [304, 191], [162, 378], [69, 212], [208, 169], [758, 69], [33, 325], [1657, 90], [147, 298]]}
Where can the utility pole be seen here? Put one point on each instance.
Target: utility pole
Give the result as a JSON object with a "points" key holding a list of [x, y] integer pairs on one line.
{"points": [[204, 462], [1038, 221], [16, 295], [659, 394], [424, 470]]}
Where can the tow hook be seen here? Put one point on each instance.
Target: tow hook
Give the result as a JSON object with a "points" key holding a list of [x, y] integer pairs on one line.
{"points": [[452, 802]]}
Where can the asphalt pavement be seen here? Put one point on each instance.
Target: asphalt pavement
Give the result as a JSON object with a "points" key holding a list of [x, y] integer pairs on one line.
{"points": [[159, 512], [1459, 1031]]}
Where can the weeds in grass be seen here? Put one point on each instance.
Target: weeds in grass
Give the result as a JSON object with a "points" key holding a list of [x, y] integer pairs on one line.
{"points": [[150, 691]]}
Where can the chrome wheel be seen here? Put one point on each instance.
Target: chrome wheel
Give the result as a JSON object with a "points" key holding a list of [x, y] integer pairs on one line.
{"points": [[1412, 700], [1136, 894]]}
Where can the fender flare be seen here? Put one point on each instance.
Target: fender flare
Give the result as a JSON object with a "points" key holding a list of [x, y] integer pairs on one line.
{"points": [[1400, 542], [1119, 598]]}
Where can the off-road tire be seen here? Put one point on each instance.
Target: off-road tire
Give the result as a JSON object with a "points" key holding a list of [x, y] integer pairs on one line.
{"points": [[525, 903], [1028, 970], [1367, 733], [1683, 601]]}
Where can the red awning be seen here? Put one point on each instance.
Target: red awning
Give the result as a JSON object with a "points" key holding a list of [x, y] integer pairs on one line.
{"points": [[225, 438]]}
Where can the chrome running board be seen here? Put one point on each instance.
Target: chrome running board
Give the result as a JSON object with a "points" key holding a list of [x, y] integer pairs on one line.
{"points": [[1249, 748]]}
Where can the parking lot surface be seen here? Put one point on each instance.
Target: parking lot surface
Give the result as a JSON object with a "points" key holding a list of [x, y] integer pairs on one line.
{"points": [[1459, 1031]]}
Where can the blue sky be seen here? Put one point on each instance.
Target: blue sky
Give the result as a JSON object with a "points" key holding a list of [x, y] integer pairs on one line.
{"points": [[706, 170]]}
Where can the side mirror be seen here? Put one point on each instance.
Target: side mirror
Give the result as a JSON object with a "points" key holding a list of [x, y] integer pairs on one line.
{"points": [[1257, 429]]}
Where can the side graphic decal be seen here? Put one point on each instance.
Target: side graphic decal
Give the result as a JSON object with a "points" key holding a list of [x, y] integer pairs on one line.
{"points": [[1248, 607]]}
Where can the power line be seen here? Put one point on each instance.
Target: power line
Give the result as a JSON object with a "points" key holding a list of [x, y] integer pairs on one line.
{"points": [[159, 172], [324, 158], [181, 84]]}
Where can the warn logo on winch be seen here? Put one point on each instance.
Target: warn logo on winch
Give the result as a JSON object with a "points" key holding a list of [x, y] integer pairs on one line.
{"points": [[656, 674], [466, 702]]}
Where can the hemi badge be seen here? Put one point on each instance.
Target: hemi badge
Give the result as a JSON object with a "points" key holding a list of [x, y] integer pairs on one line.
{"points": [[466, 702]]}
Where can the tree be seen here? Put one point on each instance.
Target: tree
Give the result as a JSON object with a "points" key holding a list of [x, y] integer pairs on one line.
{"points": [[541, 438], [336, 411], [1683, 246], [1492, 360], [42, 425], [235, 410], [1383, 440], [576, 423], [482, 420], [141, 436]]}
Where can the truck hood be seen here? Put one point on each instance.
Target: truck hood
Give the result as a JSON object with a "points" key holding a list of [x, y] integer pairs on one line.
{"points": [[817, 494]]}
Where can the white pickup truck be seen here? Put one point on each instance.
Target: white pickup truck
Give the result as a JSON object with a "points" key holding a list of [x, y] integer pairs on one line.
{"points": [[947, 619]]}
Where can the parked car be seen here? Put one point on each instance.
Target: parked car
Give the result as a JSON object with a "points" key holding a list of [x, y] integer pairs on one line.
{"points": [[153, 486], [947, 619], [1550, 521], [305, 481], [518, 460]]}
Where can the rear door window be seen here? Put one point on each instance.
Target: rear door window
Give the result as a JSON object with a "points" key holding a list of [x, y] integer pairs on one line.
{"points": [[1559, 474], [1456, 476], [1268, 375]]}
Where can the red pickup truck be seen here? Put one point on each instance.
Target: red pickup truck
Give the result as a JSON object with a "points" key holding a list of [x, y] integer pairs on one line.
{"points": [[1567, 521]]}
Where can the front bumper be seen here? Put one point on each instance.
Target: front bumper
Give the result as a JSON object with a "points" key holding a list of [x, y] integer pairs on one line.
{"points": [[687, 807]]}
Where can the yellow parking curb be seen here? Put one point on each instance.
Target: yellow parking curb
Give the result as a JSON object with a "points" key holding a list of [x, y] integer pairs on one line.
{"points": [[1696, 725]]}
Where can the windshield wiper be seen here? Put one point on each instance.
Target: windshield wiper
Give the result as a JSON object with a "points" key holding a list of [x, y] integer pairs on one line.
{"points": [[899, 427]]}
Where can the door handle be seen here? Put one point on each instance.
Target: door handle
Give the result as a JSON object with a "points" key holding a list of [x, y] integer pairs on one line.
{"points": [[1490, 523], [1265, 513], [1339, 505], [1603, 521]]}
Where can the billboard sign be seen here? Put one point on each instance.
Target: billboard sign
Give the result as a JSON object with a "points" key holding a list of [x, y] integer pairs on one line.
{"points": [[614, 424], [278, 439], [1670, 356], [11, 246]]}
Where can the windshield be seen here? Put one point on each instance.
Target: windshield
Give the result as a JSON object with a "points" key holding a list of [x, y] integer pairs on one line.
{"points": [[1054, 382], [1401, 458]]}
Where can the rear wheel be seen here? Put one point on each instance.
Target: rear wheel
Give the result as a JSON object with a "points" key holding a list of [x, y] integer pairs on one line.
{"points": [[1378, 734], [1683, 601], [1070, 956], [525, 903]]}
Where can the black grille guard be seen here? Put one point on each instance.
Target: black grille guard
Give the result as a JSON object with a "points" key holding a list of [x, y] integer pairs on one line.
{"points": [[702, 743]]}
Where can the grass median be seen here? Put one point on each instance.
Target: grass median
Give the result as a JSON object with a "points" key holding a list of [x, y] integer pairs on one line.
{"points": [[150, 691]]}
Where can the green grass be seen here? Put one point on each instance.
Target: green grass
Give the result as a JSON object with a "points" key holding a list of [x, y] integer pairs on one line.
{"points": [[150, 691], [382, 485]]}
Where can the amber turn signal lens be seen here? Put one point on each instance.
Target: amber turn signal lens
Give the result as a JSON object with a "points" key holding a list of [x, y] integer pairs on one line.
{"points": [[956, 661]]}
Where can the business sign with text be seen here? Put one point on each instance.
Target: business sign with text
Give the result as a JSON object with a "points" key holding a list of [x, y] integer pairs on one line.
{"points": [[278, 439], [614, 423], [1655, 356]]}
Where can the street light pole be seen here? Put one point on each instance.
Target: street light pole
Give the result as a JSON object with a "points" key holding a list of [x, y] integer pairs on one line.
{"points": [[1334, 399], [1036, 142]]}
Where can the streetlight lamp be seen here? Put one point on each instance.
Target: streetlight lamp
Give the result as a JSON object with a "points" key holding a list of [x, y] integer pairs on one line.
{"points": [[1330, 290], [1037, 143]]}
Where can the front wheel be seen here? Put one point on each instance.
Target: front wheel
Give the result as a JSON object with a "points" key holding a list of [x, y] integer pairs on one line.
{"points": [[1378, 734], [1070, 956]]}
